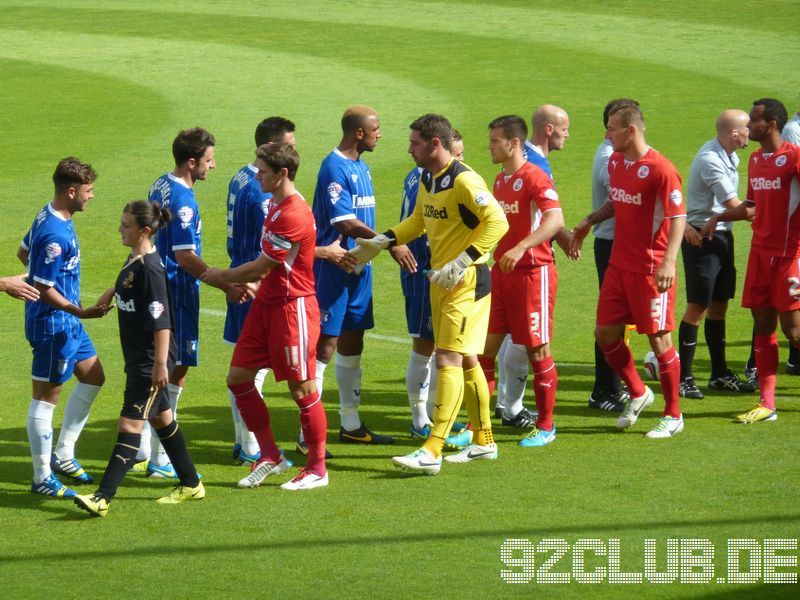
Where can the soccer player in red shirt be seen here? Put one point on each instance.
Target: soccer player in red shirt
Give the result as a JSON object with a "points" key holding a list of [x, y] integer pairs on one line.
{"points": [[646, 202], [772, 284], [282, 328], [524, 279]]}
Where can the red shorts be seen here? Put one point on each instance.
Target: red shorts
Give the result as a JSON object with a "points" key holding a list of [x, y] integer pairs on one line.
{"points": [[282, 337], [523, 303], [628, 297], [772, 281]]}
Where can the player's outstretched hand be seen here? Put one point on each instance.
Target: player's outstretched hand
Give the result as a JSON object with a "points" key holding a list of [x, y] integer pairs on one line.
{"points": [[94, 312], [338, 255], [451, 274], [16, 287], [372, 246], [692, 236], [238, 293], [578, 235], [107, 298], [665, 275], [404, 257]]}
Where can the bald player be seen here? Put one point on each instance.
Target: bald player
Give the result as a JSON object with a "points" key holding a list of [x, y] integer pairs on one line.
{"points": [[711, 189], [549, 132], [344, 205]]}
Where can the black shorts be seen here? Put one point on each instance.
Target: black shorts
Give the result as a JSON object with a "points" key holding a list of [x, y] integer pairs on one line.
{"points": [[710, 269], [138, 404], [602, 254]]}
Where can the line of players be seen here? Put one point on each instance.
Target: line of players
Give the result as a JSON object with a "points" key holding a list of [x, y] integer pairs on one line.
{"points": [[463, 221]]}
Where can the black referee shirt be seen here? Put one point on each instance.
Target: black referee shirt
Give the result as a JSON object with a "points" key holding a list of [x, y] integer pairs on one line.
{"points": [[143, 306]]}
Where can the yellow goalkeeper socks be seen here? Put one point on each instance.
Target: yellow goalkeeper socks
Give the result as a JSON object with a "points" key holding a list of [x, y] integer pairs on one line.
{"points": [[449, 394]]}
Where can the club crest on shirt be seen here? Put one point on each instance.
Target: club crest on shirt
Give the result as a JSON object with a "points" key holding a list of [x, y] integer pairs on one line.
{"points": [[354, 177], [52, 251], [445, 181], [156, 309], [128, 281], [334, 191], [780, 161], [482, 198], [517, 185], [643, 172], [275, 216], [676, 197], [185, 215]]}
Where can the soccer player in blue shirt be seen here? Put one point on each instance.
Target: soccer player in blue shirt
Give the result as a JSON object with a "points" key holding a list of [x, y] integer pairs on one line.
{"points": [[247, 206], [54, 330], [344, 205], [179, 245]]}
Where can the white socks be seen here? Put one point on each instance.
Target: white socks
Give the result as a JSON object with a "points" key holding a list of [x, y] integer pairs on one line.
{"points": [[348, 379], [244, 437], [418, 378], [320, 369], [320, 376], [40, 437], [76, 414], [516, 378], [432, 387]]}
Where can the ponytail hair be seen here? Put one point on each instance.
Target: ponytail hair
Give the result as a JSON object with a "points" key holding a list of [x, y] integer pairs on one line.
{"points": [[148, 214]]}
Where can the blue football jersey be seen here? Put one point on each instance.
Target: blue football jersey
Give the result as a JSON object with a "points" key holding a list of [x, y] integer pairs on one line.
{"points": [[415, 284], [533, 156], [247, 207], [344, 190], [54, 260], [181, 233]]}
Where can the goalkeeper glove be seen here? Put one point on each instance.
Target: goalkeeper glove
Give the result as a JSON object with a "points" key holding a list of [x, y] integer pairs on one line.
{"points": [[452, 272], [369, 248]]}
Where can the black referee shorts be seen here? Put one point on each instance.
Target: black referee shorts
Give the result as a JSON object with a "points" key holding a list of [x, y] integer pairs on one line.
{"points": [[710, 269], [138, 403]]}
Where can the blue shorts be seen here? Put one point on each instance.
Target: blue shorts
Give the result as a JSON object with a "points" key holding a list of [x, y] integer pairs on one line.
{"points": [[418, 317], [54, 360], [187, 327], [234, 321], [345, 301]]}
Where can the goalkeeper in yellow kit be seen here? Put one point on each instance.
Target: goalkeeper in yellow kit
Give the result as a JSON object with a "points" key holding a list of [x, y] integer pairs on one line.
{"points": [[463, 222]]}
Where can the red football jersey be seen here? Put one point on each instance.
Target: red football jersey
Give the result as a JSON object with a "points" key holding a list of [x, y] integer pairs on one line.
{"points": [[646, 194], [525, 196], [773, 185], [288, 238]]}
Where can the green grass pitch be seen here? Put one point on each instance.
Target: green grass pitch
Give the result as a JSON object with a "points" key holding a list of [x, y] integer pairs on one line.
{"points": [[112, 82]]}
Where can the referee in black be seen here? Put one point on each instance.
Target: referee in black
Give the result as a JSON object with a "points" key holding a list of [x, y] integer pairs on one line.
{"points": [[712, 187], [148, 346]]}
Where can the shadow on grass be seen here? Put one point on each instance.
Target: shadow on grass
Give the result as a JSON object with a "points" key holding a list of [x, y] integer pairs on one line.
{"points": [[422, 538]]}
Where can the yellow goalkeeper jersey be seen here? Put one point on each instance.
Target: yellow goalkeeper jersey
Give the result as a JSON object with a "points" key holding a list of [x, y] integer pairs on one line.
{"points": [[458, 213]]}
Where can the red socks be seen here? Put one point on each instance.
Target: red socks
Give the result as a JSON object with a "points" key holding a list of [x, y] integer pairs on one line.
{"points": [[669, 373], [256, 416], [766, 351], [545, 382], [619, 358], [487, 364], [314, 424]]}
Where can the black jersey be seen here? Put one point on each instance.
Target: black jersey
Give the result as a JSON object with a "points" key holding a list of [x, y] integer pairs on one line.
{"points": [[143, 306]]}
